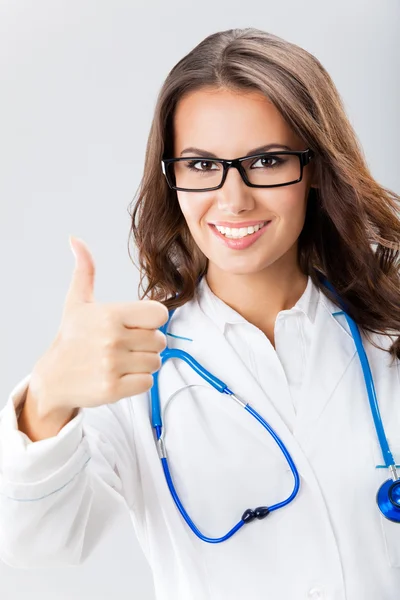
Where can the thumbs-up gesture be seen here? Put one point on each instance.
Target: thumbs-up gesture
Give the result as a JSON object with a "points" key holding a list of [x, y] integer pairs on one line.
{"points": [[102, 352]]}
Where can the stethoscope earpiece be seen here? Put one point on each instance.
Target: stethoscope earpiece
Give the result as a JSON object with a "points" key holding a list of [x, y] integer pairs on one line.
{"points": [[388, 500]]}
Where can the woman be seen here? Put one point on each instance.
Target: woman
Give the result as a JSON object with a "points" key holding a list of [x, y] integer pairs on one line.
{"points": [[256, 198]]}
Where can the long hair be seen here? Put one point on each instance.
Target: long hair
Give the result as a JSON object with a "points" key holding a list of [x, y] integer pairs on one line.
{"points": [[352, 228]]}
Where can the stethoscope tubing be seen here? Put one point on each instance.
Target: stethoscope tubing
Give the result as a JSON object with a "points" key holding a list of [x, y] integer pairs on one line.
{"points": [[369, 383], [242, 522], [388, 496]]}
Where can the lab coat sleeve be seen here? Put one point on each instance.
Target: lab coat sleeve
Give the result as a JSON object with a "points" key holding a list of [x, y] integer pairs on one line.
{"points": [[58, 496]]}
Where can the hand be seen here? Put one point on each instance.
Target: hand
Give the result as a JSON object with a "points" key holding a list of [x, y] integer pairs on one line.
{"points": [[102, 352]]}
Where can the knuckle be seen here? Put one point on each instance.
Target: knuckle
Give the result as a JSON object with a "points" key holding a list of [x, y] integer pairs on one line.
{"points": [[148, 382], [110, 344], [107, 387], [156, 363], [108, 318], [161, 339], [158, 312], [108, 361], [145, 384]]}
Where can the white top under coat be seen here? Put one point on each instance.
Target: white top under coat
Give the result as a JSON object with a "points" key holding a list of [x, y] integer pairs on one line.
{"points": [[293, 333]]}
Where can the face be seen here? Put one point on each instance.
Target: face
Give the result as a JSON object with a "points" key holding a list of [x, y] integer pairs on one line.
{"points": [[229, 124]]}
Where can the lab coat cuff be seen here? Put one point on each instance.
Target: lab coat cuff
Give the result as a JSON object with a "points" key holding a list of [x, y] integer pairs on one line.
{"points": [[25, 462]]}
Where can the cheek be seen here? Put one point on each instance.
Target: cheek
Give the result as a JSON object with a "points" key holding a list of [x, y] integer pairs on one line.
{"points": [[194, 206], [290, 207]]}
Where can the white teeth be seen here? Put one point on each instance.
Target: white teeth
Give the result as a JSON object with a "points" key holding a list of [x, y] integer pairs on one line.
{"points": [[239, 232]]}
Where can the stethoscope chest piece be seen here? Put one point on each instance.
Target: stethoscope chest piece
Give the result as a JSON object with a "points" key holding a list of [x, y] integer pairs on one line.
{"points": [[388, 499]]}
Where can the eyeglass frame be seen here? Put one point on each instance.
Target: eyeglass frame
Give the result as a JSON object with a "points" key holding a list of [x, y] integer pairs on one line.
{"points": [[304, 158]]}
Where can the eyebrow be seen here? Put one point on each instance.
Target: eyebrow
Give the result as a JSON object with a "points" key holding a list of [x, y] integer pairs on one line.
{"points": [[258, 150]]}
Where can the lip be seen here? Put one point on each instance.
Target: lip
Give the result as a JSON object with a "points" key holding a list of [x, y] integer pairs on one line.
{"points": [[237, 225], [240, 243]]}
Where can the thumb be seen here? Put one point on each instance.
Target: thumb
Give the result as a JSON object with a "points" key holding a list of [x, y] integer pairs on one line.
{"points": [[82, 284]]}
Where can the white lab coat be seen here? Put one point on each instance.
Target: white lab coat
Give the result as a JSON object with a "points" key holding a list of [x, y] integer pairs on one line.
{"points": [[330, 543]]}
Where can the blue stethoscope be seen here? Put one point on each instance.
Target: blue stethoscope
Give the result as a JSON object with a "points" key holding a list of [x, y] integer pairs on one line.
{"points": [[388, 495]]}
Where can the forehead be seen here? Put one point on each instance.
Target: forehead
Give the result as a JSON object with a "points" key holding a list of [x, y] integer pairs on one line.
{"points": [[228, 122]]}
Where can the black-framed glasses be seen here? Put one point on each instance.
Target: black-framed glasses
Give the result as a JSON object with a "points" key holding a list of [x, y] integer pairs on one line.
{"points": [[268, 169]]}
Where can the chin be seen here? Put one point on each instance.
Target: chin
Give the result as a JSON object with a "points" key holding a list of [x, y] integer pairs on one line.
{"points": [[240, 266]]}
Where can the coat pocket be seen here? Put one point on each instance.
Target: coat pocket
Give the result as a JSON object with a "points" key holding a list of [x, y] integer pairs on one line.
{"points": [[390, 529]]}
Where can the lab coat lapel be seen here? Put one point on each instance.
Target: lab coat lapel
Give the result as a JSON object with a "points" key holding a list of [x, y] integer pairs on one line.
{"points": [[210, 347], [331, 352]]}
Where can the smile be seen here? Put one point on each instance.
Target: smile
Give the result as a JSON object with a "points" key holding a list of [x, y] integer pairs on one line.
{"points": [[239, 238]]}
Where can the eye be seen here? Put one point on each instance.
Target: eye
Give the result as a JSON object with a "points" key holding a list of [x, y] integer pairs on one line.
{"points": [[265, 160], [205, 164]]}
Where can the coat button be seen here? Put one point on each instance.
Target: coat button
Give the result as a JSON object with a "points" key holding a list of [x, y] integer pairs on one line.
{"points": [[315, 594]]}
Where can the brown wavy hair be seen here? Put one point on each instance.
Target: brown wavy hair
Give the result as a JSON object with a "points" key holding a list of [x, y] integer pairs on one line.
{"points": [[352, 228]]}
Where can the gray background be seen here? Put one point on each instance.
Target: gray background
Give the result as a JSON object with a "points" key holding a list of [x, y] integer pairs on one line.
{"points": [[78, 83]]}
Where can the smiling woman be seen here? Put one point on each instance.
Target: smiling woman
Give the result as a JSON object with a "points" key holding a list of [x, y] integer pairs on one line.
{"points": [[249, 100]]}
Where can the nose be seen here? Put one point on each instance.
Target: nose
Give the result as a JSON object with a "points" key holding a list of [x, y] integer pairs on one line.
{"points": [[235, 196]]}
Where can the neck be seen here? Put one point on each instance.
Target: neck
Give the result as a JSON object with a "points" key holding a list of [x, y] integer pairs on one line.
{"points": [[260, 296]]}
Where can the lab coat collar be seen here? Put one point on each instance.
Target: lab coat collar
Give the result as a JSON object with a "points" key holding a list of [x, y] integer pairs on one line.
{"points": [[222, 314], [331, 352]]}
